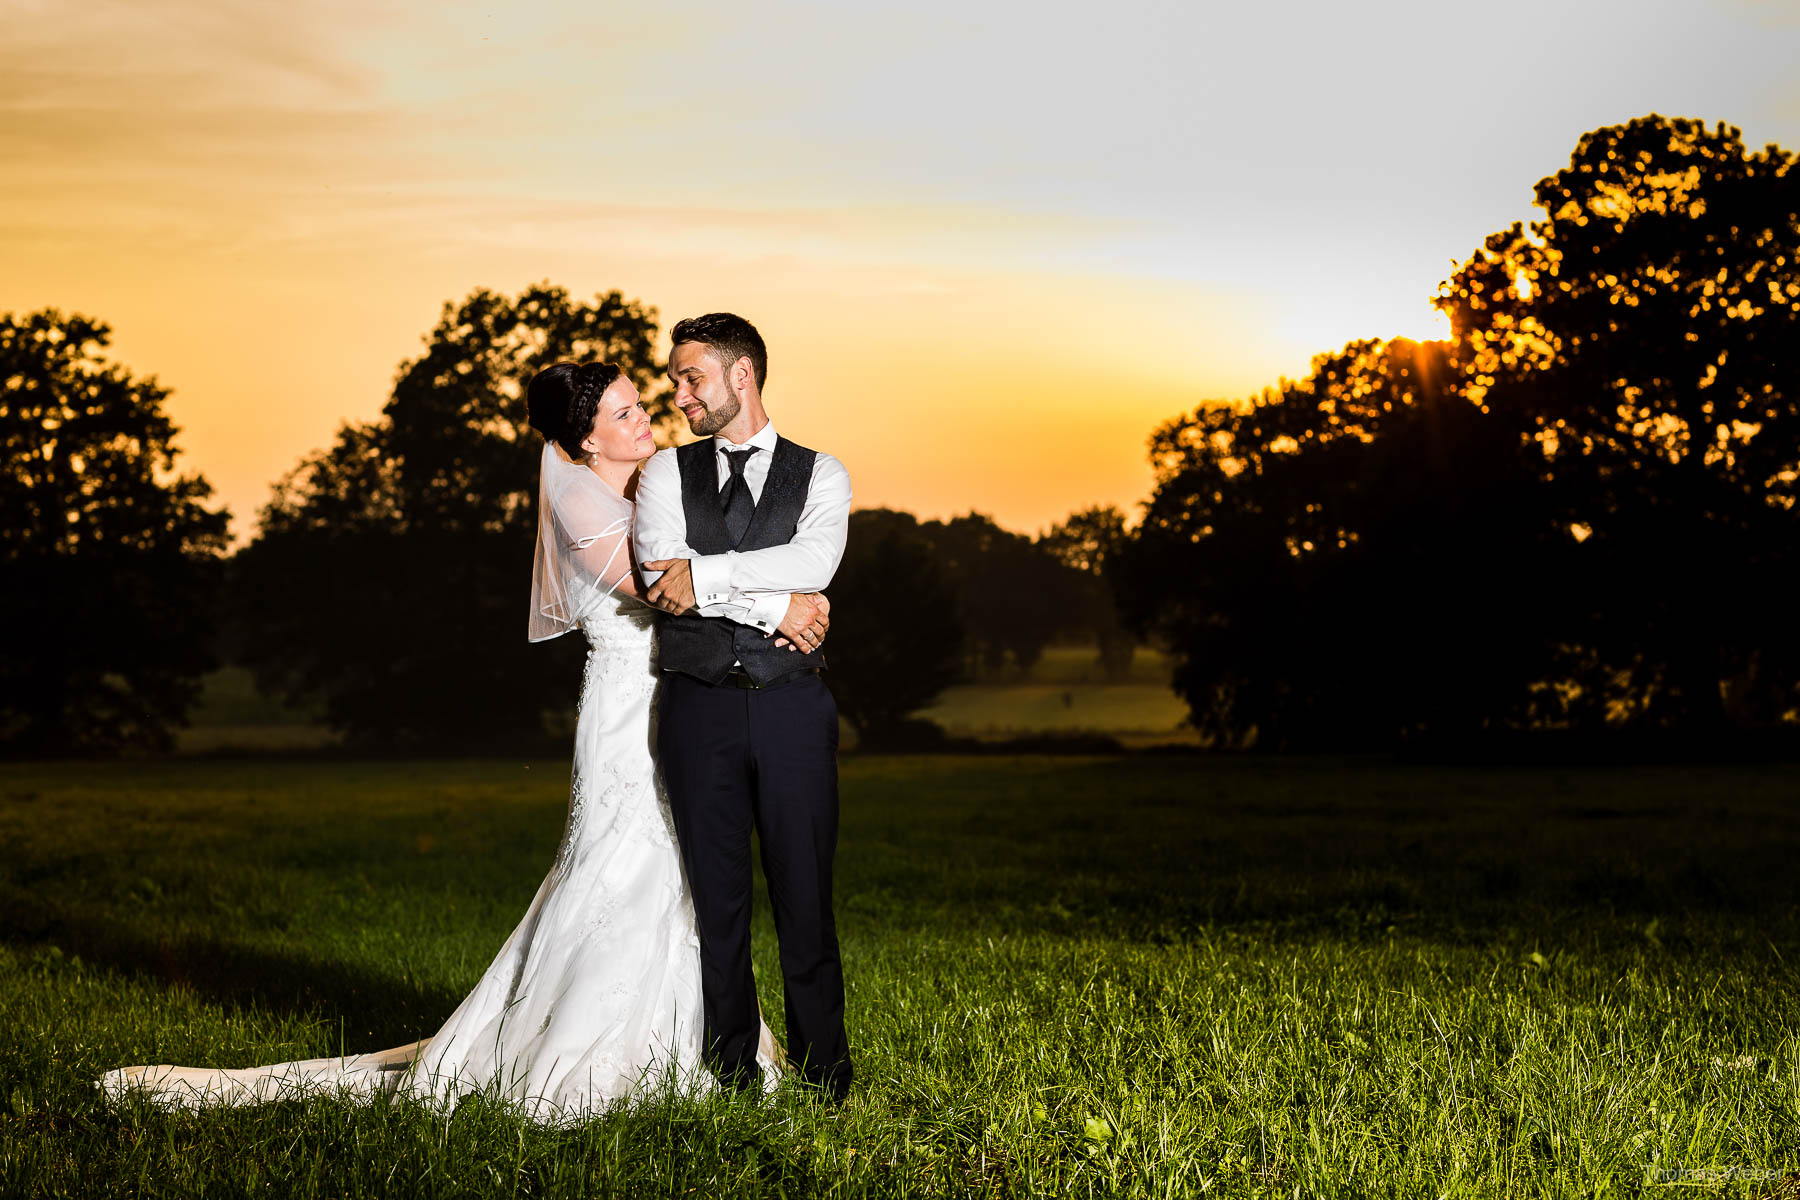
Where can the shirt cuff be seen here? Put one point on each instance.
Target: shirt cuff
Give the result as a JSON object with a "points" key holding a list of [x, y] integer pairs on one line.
{"points": [[767, 612], [711, 574]]}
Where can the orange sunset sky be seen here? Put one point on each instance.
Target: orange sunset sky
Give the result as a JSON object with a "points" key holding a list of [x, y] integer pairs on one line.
{"points": [[990, 245]]}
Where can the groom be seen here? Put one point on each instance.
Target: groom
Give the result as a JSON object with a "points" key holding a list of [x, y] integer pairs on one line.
{"points": [[731, 532]]}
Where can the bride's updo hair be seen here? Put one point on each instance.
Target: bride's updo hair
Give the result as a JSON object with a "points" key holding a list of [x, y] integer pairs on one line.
{"points": [[563, 398]]}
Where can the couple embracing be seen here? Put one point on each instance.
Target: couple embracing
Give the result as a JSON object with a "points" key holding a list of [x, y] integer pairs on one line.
{"points": [[694, 577]]}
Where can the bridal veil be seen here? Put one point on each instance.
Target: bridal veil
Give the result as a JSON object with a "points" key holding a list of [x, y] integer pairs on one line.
{"points": [[584, 527]]}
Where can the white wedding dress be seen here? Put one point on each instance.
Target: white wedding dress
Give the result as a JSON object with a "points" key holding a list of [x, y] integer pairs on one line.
{"points": [[595, 996]]}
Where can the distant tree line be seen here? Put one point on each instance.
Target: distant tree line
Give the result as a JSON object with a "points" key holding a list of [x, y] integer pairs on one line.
{"points": [[1577, 513], [920, 605], [386, 579]]}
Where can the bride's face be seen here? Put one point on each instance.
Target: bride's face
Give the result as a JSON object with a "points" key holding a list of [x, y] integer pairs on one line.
{"points": [[621, 429]]}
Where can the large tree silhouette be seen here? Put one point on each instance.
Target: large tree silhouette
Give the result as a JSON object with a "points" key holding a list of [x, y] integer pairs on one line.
{"points": [[110, 559], [389, 575], [1347, 559], [1644, 332], [1579, 512]]}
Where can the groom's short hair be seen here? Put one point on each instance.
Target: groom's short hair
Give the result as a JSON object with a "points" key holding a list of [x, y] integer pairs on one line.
{"points": [[729, 337]]}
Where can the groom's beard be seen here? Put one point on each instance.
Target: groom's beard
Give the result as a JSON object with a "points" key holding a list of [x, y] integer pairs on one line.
{"points": [[717, 418]]}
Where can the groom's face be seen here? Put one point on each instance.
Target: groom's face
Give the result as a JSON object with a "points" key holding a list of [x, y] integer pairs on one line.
{"points": [[702, 392]]}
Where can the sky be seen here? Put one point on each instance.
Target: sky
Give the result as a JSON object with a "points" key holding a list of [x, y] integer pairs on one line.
{"points": [[990, 246]]}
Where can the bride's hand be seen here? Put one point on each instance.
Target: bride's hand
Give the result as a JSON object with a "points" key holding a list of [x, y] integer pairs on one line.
{"points": [[808, 618], [673, 592]]}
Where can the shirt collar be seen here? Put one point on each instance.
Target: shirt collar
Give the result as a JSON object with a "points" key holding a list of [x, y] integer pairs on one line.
{"points": [[762, 439]]}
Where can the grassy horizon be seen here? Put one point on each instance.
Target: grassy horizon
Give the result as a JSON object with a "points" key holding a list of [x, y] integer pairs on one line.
{"points": [[1065, 692], [1085, 976]]}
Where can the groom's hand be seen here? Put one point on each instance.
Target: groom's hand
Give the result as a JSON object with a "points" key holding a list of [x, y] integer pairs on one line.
{"points": [[674, 592], [808, 617]]}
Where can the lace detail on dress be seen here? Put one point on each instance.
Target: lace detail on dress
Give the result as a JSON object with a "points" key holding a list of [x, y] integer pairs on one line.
{"points": [[572, 824]]}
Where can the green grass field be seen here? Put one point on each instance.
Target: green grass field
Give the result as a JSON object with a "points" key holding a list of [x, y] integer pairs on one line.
{"points": [[1145, 976]]}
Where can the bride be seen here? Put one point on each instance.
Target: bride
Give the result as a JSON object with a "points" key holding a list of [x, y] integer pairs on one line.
{"points": [[596, 994]]}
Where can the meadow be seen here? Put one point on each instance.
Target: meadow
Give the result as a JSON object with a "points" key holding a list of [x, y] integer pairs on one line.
{"points": [[1064, 693], [1140, 976], [1067, 693]]}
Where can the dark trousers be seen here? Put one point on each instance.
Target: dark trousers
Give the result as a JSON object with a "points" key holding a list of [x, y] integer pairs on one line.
{"points": [[736, 758]]}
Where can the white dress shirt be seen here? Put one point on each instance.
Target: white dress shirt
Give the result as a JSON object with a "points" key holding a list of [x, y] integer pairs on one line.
{"points": [[747, 586]]}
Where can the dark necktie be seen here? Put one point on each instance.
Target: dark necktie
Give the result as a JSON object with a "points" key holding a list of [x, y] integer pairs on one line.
{"points": [[735, 497]]}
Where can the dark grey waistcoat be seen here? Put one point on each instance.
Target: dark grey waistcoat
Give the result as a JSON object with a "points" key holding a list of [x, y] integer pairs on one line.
{"points": [[705, 647]]}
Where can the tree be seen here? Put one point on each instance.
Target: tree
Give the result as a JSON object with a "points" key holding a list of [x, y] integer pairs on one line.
{"points": [[390, 573], [110, 558], [895, 630], [1013, 595], [1578, 513], [1088, 544], [1348, 559], [1642, 331]]}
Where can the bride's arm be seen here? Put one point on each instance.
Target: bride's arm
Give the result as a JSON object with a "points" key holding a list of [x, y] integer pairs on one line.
{"points": [[606, 559], [628, 584]]}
